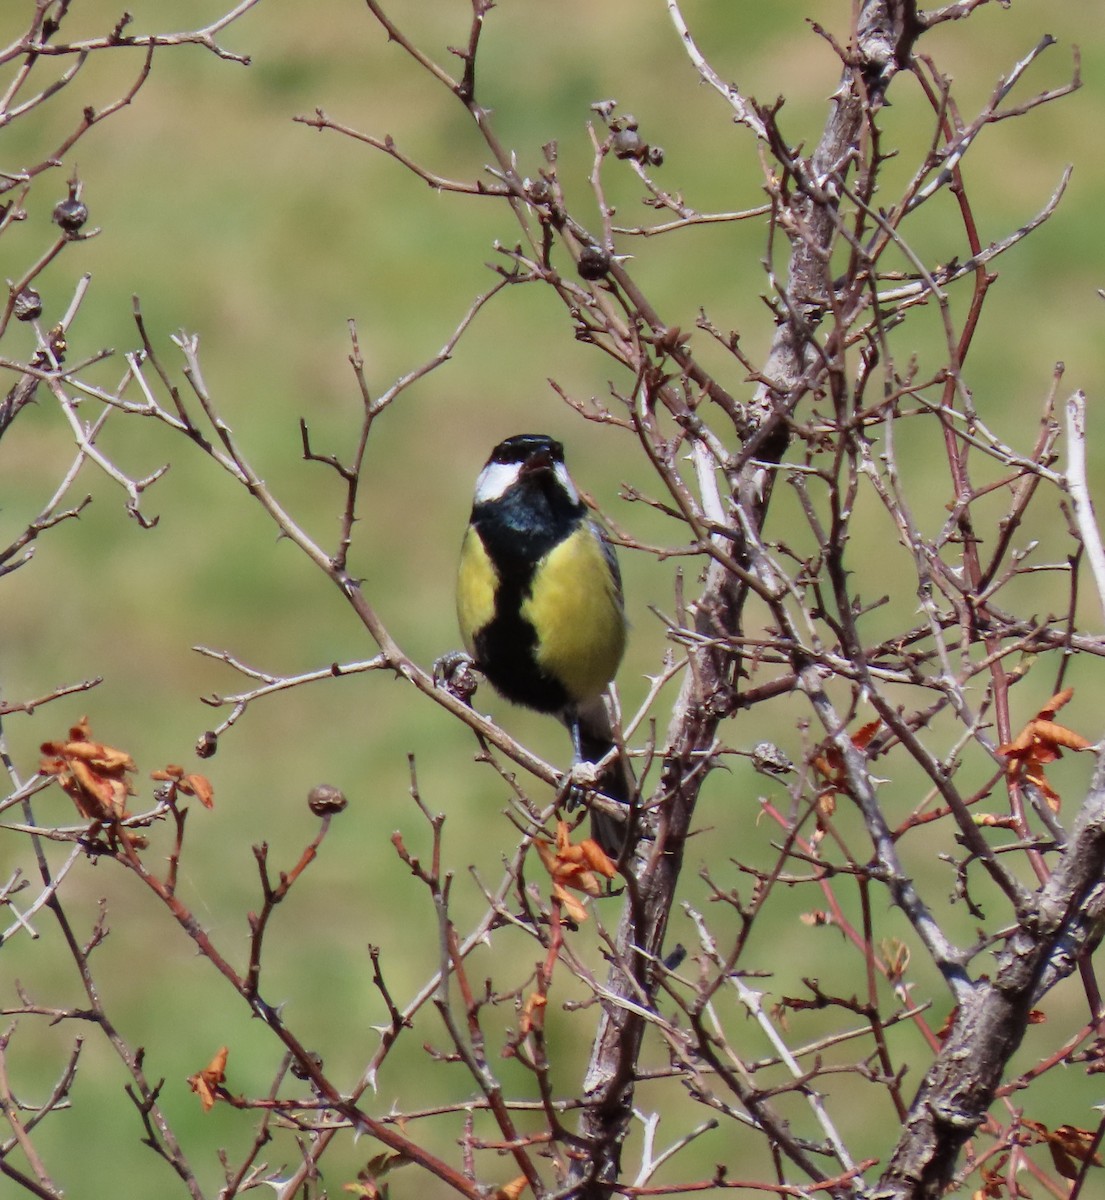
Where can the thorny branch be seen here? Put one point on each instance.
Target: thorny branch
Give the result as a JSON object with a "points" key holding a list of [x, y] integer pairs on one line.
{"points": [[820, 425]]}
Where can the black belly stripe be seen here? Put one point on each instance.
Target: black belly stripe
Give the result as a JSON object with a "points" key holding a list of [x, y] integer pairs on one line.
{"points": [[506, 646]]}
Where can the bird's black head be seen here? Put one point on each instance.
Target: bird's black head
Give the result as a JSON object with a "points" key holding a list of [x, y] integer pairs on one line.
{"points": [[530, 450], [525, 487]]}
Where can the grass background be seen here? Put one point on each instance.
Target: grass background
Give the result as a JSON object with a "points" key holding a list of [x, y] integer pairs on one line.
{"points": [[264, 237]]}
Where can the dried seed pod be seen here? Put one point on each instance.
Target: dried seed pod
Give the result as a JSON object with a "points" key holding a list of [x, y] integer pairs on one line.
{"points": [[324, 800], [70, 215], [537, 190], [299, 1070], [27, 305], [626, 143], [768, 759], [594, 262]]}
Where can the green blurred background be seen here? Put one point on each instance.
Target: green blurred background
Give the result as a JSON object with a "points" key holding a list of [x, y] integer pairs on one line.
{"points": [[265, 237]]}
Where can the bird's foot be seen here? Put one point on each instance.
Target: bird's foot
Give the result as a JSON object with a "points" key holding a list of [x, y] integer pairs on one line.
{"points": [[455, 672], [581, 779]]}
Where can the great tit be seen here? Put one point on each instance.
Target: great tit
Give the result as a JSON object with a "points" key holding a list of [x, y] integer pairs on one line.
{"points": [[539, 602]]}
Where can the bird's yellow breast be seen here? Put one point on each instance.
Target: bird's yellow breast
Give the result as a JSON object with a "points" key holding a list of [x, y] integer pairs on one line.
{"points": [[576, 611], [476, 584]]}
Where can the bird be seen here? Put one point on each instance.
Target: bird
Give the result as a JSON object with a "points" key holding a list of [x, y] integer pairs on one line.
{"points": [[540, 605]]}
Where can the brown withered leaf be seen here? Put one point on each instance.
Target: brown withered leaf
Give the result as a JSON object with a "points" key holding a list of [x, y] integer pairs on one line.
{"points": [[575, 909], [1040, 742], [200, 787], [1055, 703], [368, 1186], [208, 1082], [949, 1021], [92, 775], [1069, 1146], [512, 1190], [533, 1014], [1077, 1146], [577, 866], [993, 1180], [597, 859], [190, 785], [829, 762]]}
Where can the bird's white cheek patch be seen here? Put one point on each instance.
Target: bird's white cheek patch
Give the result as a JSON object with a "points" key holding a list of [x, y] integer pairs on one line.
{"points": [[561, 472], [495, 480]]}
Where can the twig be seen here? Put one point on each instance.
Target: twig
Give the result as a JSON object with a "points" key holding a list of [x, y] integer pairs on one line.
{"points": [[744, 112], [1078, 487]]}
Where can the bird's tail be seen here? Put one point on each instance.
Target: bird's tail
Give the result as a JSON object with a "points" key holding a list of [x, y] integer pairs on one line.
{"points": [[593, 735]]}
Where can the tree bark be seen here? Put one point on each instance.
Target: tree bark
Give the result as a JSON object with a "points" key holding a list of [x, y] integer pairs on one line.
{"points": [[1061, 927]]}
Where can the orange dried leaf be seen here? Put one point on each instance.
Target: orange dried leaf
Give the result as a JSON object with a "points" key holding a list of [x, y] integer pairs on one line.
{"points": [[1055, 735], [1076, 1144], [1069, 1146], [862, 738], [949, 1021], [511, 1190], [1040, 753], [200, 787], [829, 762], [547, 853], [1035, 775], [1021, 743], [1040, 742], [587, 883], [1055, 703], [569, 903], [533, 1013], [191, 785], [993, 1180], [206, 1083], [574, 866], [80, 731], [597, 858], [91, 774]]}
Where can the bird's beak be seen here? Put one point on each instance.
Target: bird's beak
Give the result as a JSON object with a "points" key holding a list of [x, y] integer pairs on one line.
{"points": [[540, 460]]}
